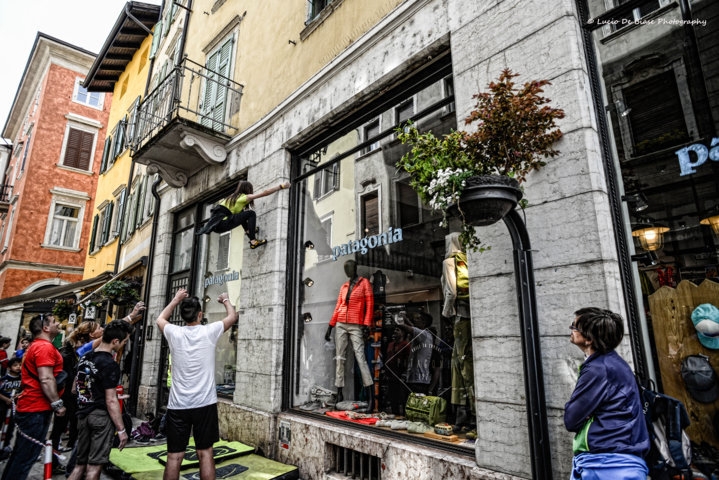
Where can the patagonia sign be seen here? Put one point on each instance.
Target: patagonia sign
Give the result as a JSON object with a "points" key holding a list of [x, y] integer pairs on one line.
{"points": [[222, 279], [392, 235], [701, 154]]}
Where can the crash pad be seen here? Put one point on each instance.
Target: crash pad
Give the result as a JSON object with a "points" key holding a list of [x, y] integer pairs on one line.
{"points": [[245, 467], [154, 457]]}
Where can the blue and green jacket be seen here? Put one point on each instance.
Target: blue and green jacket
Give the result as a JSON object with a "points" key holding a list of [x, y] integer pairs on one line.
{"points": [[605, 408]]}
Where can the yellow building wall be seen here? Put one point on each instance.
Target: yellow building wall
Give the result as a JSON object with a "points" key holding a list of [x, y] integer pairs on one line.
{"points": [[130, 85], [266, 61]]}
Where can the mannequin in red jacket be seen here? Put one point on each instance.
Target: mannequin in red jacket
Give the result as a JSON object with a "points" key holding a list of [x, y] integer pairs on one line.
{"points": [[352, 317]]}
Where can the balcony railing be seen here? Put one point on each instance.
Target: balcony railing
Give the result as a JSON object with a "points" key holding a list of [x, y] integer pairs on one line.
{"points": [[5, 193], [192, 93]]}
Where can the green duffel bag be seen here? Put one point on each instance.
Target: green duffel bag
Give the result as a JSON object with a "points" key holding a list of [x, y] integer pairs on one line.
{"points": [[425, 408]]}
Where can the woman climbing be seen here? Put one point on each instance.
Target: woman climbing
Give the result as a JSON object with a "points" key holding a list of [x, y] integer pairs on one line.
{"points": [[237, 210]]}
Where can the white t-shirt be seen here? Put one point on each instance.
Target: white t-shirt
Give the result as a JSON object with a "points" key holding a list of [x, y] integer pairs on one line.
{"points": [[193, 364]]}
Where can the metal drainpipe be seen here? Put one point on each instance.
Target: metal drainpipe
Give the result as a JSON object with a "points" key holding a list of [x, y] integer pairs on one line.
{"points": [[140, 339], [540, 450], [183, 39]]}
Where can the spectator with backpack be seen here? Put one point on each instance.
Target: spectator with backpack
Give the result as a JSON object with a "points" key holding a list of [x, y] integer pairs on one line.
{"points": [[605, 409], [98, 408], [455, 286]]}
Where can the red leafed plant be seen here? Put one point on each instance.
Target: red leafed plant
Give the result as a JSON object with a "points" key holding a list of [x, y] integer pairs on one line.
{"points": [[516, 127], [515, 132]]}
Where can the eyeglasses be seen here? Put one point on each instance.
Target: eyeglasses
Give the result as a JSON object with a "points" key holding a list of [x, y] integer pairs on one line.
{"points": [[573, 328]]}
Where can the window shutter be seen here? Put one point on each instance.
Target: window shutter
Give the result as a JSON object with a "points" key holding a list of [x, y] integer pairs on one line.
{"points": [[215, 95], [105, 154], [78, 149], [119, 139], [156, 36], [127, 225], [120, 212], [93, 233], [140, 202], [106, 222]]}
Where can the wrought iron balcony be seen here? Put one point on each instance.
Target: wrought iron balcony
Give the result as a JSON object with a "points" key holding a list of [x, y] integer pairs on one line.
{"points": [[184, 123], [5, 196]]}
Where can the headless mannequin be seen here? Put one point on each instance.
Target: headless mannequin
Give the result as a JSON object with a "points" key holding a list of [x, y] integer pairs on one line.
{"points": [[352, 316], [462, 359]]}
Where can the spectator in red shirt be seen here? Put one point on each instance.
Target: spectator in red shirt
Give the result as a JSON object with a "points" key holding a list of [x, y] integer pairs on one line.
{"points": [[39, 397]]}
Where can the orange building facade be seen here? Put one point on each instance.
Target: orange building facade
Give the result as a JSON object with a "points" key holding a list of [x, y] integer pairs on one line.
{"points": [[58, 130]]}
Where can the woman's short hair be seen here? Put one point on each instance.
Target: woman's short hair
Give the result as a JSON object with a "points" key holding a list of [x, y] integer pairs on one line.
{"points": [[189, 308], [604, 328]]}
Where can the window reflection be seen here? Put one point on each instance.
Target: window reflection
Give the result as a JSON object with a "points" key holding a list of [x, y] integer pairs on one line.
{"points": [[377, 335]]}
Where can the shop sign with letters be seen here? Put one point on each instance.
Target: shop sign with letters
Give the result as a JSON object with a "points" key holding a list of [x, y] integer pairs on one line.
{"points": [[688, 163]]}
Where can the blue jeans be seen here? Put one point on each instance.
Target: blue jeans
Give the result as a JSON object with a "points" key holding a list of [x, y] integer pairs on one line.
{"points": [[25, 453]]}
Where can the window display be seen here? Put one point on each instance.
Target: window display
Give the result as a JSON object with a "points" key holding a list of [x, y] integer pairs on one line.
{"points": [[375, 341]]}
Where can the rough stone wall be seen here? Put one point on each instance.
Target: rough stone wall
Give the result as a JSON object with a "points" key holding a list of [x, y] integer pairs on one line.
{"points": [[568, 220]]}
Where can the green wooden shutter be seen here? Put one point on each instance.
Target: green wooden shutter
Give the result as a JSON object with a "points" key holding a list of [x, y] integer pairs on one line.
{"points": [[106, 153], [215, 95], [93, 233], [156, 37]]}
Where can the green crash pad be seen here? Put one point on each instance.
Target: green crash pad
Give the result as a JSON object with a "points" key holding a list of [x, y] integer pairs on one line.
{"points": [[153, 457], [235, 461], [246, 467]]}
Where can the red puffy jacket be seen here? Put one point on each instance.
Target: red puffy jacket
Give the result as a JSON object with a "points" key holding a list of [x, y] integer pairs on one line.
{"points": [[361, 305]]}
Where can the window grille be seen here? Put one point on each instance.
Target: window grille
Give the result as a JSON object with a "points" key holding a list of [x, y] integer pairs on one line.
{"points": [[354, 464]]}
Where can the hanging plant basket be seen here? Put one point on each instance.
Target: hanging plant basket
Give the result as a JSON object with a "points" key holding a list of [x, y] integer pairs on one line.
{"points": [[486, 199], [120, 292]]}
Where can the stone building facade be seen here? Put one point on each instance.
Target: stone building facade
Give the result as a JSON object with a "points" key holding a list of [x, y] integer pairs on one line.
{"points": [[331, 134]]}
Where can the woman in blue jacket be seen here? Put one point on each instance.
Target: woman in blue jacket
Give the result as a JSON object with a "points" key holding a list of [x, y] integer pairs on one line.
{"points": [[605, 409]]}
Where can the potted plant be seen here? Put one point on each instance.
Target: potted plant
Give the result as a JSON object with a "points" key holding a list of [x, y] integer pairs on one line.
{"points": [[120, 292], [63, 308], [477, 175]]}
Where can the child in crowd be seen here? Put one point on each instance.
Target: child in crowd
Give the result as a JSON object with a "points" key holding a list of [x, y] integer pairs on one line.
{"points": [[237, 210], [24, 342], [9, 384]]}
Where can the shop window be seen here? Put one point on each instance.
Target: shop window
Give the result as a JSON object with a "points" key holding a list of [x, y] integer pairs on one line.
{"points": [[90, 99], [79, 148], [397, 291], [654, 82]]}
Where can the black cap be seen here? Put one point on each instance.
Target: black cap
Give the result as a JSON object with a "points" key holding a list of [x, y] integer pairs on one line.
{"points": [[700, 378]]}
